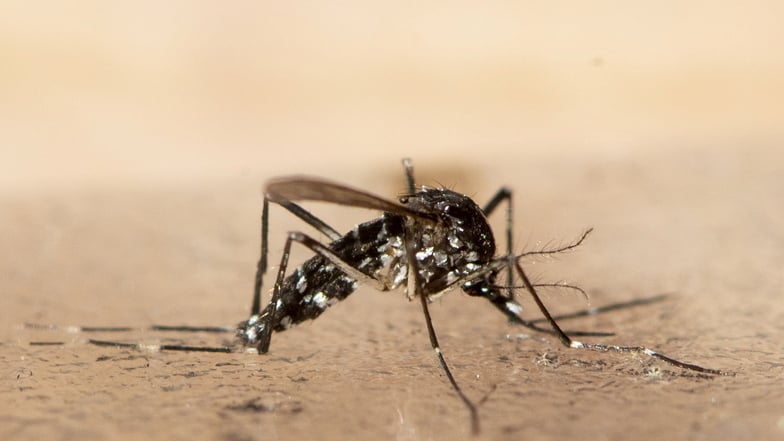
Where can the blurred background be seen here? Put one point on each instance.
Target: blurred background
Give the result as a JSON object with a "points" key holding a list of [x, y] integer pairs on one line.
{"points": [[147, 91]]}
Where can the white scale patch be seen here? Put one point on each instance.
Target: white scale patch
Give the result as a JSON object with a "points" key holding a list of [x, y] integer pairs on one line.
{"points": [[302, 283], [514, 307], [424, 254], [471, 267], [365, 262], [320, 300], [441, 258], [400, 271], [382, 233]]}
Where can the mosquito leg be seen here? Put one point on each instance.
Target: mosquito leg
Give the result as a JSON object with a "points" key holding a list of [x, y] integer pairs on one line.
{"points": [[415, 283], [107, 329], [261, 267], [215, 329], [408, 166], [437, 348], [165, 328], [505, 194], [512, 309], [603, 347], [76, 329], [165, 347], [266, 336]]}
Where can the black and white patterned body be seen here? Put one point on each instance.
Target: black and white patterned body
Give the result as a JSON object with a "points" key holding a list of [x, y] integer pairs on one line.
{"points": [[448, 251]]}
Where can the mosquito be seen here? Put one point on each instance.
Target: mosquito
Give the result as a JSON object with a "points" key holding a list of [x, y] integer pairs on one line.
{"points": [[429, 241]]}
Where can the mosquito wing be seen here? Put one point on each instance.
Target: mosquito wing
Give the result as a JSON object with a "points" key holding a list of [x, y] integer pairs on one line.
{"points": [[298, 188]]}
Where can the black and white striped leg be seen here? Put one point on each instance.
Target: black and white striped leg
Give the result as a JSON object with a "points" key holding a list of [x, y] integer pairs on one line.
{"points": [[604, 347], [415, 285], [512, 309], [505, 195], [155, 328], [163, 347]]}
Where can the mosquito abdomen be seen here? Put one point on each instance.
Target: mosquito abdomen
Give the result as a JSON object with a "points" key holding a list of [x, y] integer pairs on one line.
{"points": [[375, 248]]}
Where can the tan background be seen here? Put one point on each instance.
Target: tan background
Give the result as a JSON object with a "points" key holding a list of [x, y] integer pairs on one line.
{"points": [[135, 138]]}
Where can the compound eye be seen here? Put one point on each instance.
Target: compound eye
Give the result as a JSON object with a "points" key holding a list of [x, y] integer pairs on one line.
{"points": [[404, 199]]}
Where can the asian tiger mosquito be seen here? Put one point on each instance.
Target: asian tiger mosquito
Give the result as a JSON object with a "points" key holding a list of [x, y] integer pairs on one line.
{"points": [[440, 236]]}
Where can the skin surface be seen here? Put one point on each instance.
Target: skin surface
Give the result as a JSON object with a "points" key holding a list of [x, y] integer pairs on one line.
{"points": [[365, 368], [135, 138]]}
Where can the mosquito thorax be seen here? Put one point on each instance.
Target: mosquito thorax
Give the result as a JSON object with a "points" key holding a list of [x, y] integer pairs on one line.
{"points": [[458, 244]]}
